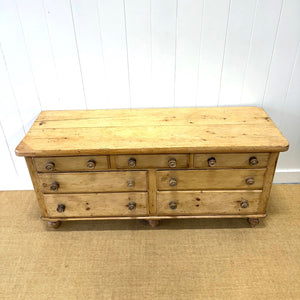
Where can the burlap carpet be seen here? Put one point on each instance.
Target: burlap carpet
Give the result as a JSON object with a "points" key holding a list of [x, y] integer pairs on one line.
{"points": [[180, 259]]}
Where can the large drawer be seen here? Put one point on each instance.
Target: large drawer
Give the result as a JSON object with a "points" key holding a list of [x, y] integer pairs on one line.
{"points": [[152, 161], [207, 202], [89, 182], [231, 160], [72, 163], [235, 179], [96, 204]]}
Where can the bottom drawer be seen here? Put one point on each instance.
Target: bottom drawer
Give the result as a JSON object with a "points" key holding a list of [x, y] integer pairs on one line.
{"points": [[96, 204], [208, 202]]}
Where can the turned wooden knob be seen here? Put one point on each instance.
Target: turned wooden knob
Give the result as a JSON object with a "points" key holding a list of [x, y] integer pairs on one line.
{"points": [[54, 186], [131, 205], [211, 162], [61, 208], [91, 164], [172, 163], [173, 181], [131, 162], [173, 205], [250, 181], [130, 183], [253, 161], [244, 204], [50, 165]]}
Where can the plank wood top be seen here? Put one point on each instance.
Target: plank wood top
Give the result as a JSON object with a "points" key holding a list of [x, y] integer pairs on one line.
{"points": [[164, 130]]}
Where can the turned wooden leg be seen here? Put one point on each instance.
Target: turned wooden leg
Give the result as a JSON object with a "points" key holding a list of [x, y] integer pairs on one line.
{"points": [[54, 224], [153, 223], [253, 221]]}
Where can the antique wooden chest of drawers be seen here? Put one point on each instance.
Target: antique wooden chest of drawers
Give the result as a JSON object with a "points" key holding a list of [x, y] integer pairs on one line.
{"points": [[152, 163]]}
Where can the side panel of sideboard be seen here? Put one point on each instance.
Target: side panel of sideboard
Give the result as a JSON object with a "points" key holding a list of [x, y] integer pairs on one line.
{"points": [[268, 182]]}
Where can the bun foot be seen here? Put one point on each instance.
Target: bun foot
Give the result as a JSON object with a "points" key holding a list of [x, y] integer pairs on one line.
{"points": [[54, 224], [253, 221], [153, 223]]}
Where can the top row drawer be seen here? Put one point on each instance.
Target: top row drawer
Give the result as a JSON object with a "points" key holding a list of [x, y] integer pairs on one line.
{"points": [[71, 163], [231, 160], [152, 161]]}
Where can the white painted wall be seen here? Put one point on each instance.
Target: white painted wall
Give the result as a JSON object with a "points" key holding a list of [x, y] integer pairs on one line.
{"points": [[71, 54]]}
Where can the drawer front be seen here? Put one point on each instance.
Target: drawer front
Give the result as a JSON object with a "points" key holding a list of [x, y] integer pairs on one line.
{"points": [[208, 202], [74, 163], [96, 205], [93, 182], [152, 161], [231, 160], [210, 179]]}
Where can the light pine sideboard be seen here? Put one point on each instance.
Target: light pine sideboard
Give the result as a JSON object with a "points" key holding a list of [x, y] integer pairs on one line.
{"points": [[152, 164]]}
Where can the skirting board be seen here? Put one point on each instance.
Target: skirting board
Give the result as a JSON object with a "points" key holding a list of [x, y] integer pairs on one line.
{"points": [[287, 176], [24, 183]]}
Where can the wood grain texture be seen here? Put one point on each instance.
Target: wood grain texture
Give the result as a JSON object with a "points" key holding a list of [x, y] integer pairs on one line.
{"points": [[94, 181], [268, 179], [75, 163], [210, 179], [152, 191], [231, 160], [207, 202], [227, 129], [151, 161], [36, 185], [154, 217], [191, 161], [99, 204]]}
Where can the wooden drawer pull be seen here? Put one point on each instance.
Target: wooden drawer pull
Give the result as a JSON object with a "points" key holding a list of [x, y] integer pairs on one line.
{"points": [[173, 205], [172, 163], [250, 181], [91, 164], [61, 208], [131, 162], [173, 182], [131, 205], [54, 186], [253, 161], [244, 204], [130, 183], [211, 162], [50, 165]]}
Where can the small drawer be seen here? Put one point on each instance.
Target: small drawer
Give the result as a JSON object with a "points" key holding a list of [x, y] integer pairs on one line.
{"points": [[232, 179], [89, 182], [71, 163], [152, 161], [208, 202], [231, 160], [96, 205]]}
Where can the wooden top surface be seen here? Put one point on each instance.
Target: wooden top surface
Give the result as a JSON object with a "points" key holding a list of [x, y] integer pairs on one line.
{"points": [[166, 130]]}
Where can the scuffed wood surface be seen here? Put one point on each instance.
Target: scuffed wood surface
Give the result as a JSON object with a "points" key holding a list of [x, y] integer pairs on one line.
{"points": [[88, 182], [100, 204], [132, 131], [210, 179], [207, 202]]}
